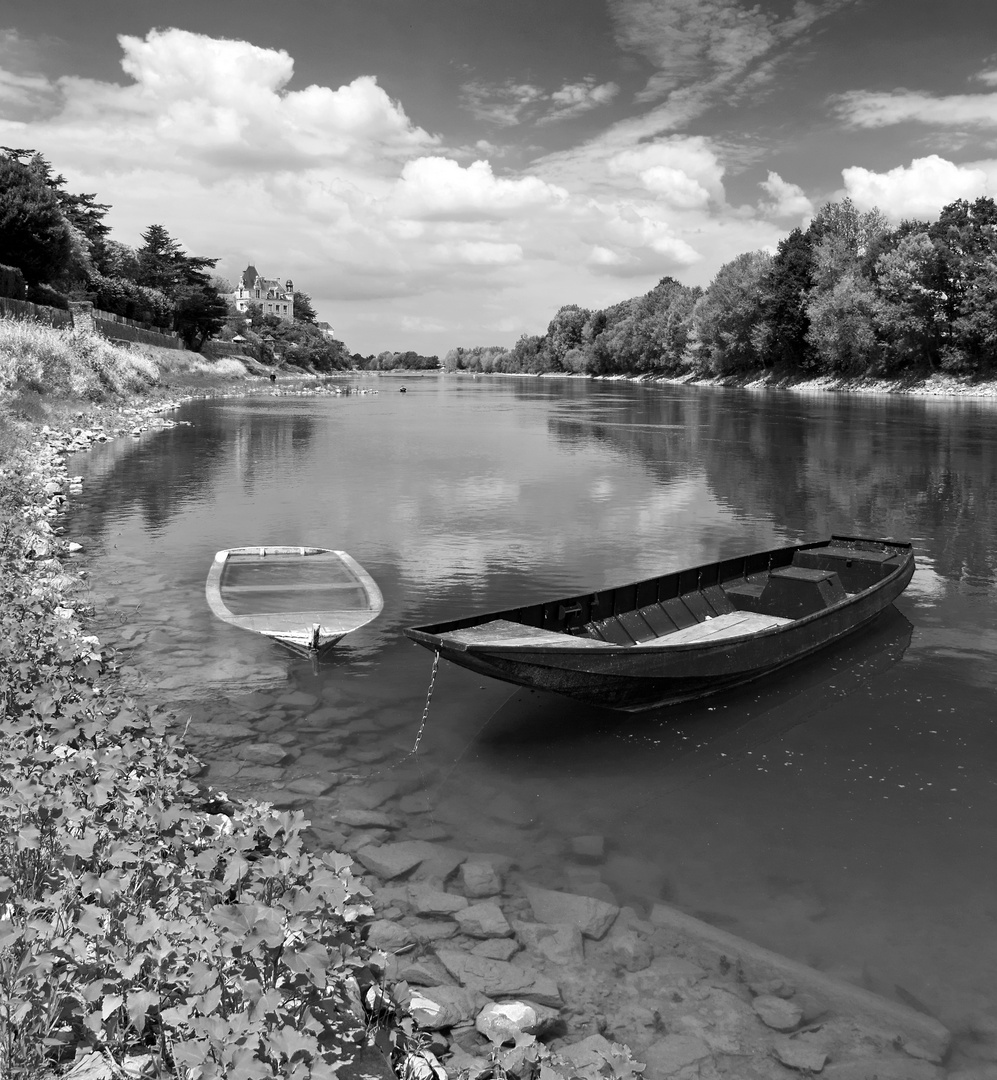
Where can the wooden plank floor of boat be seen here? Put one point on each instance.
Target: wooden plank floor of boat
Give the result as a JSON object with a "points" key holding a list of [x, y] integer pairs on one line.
{"points": [[734, 624], [504, 632]]}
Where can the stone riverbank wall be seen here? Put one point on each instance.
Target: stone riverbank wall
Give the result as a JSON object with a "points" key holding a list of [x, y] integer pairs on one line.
{"points": [[82, 315]]}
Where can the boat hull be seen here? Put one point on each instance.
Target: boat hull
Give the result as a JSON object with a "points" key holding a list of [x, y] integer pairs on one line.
{"points": [[679, 665], [304, 598]]}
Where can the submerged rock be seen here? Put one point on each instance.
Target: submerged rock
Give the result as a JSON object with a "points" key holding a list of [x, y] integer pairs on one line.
{"points": [[479, 879], [387, 935], [559, 944], [427, 900], [392, 860], [674, 1052], [777, 1012], [496, 948], [497, 978], [797, 1055], [592, 917], [484, 921]]}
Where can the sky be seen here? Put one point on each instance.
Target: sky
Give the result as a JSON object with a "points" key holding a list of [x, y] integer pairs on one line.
{"points": [[436, 173]]}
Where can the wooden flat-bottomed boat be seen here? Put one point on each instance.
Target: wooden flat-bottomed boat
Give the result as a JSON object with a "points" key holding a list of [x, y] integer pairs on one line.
{"points": [[685, 634], [306, 598]]}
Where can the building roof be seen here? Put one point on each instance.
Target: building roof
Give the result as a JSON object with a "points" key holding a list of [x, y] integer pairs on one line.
{"points": [[249, 276]]}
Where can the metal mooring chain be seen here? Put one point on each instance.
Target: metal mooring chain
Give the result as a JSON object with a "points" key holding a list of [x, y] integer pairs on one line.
{"points": [[425, 711], [418, 737]]}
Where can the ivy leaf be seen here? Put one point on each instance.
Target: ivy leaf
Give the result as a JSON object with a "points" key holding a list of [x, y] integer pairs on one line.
{"points": [[138, 1005], [110, 1004]]}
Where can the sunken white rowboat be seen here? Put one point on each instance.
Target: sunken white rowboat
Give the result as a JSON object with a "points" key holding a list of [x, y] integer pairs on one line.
{"points": [[306, 598]]}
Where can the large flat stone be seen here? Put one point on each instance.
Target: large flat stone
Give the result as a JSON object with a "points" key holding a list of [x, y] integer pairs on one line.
{"points": [[392, 860], [498, 978], [483, 921], [426, 900], [592, 917], [559, 944]]}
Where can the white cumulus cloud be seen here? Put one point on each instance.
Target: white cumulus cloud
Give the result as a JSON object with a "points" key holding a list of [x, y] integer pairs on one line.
{"points": [[785, 200], [918, 190], [392, 234], [436, 187], [682, 170]]}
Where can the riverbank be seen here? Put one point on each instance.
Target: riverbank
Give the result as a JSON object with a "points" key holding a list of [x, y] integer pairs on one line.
{"points": [[712, 1027], [938, 385]]}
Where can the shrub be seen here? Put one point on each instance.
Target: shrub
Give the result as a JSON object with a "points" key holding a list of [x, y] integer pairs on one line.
{"points": [[12, 282], [45, 294], [122, 297]]}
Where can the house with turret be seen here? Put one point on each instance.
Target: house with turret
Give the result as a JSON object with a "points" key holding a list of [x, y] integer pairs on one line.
{"points": [[272, 297]]}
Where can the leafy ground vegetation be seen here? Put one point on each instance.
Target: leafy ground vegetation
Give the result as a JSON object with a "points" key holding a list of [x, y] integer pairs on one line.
{"points": [[141, 918]]}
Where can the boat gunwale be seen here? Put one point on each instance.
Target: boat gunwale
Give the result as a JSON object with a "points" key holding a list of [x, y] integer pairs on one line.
{"points": [[213, 592], [436, 637]]}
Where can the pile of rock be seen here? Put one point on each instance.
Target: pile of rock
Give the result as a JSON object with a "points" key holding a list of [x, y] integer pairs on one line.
{"points": [[508, 975]]}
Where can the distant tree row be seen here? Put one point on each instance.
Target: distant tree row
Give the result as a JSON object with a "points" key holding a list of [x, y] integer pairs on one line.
{"points": [[396, 361], [847, 296]]}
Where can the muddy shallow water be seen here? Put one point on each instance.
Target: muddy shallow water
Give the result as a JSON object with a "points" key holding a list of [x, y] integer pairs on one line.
{"points": [[840, 813]]}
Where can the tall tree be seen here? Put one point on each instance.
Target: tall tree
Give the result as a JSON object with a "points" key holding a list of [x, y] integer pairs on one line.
{"points": [[34, 234], [786, 289], [965, 237], [161, 261], [303, 309], [911, 303], [727, 317], [564, 333]]}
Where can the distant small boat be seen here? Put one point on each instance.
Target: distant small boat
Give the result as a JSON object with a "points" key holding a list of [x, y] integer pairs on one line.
{"points": [[306, 598], [685, 634]]}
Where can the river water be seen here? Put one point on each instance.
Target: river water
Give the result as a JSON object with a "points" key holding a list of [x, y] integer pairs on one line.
{"points": [[842, 812]]}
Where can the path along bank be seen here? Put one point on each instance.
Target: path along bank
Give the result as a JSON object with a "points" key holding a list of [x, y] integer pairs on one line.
{"points": [[153, 922]]}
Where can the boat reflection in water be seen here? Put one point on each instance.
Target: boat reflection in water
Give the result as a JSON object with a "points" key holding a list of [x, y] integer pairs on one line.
{"points": [[709, 732]]}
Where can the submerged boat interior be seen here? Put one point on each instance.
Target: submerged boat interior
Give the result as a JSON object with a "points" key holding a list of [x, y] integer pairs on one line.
{"points": [[744, 595]]}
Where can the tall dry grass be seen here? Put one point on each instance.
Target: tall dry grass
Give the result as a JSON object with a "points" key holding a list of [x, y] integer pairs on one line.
{"points": [[36, 359], [55, 376]]}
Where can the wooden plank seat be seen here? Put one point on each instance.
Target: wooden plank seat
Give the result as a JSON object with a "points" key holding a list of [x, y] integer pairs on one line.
{"points": [[734, 624], [505, 632]]}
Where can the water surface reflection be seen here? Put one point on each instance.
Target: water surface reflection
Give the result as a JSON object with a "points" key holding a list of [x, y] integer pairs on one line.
{"points": [[840, 813]]}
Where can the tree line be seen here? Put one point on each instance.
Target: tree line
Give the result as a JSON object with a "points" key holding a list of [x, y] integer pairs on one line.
{"points": [[55, 246], [847, 296]]}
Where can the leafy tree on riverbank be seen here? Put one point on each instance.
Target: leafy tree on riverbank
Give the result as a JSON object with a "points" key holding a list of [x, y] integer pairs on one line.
{"points": [[300, 343], [34, 235], [847, 296]]}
